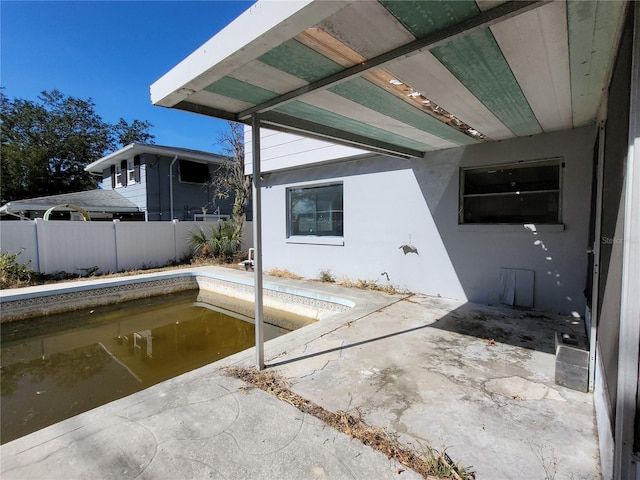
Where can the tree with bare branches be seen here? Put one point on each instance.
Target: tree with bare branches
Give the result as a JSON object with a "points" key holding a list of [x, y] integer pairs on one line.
{"points": [[230, 178]]}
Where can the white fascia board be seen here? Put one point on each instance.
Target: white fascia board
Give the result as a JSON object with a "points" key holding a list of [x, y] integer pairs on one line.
{"points": [[181, 153], [262, 27], [132, 149], [111, 159]]}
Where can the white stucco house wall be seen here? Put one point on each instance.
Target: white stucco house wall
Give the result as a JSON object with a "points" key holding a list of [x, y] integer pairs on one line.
{"points": [[401, 222]]}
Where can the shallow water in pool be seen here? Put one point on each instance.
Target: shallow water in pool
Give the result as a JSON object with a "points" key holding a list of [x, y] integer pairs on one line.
{"points": [[58, 366]]}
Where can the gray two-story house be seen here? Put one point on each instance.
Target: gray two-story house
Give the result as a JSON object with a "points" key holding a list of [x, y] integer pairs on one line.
{"points": [[165, 183]]}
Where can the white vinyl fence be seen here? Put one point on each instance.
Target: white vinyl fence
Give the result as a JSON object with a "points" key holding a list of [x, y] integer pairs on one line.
{"points": [[79, 247]]}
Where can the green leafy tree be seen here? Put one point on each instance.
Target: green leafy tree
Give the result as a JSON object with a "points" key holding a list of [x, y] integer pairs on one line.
{"points": [[45, 144], [138, 131]]}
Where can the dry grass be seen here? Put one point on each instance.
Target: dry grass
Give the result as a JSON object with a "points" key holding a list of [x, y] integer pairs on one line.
{"points": [[326, 276], [200, 262], [42, 279], [368, 285], [282, 273], [429, 463], [127, 273]]}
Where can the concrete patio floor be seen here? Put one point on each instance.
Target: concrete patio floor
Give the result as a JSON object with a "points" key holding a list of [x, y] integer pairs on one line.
{"points": [[477, 380]]}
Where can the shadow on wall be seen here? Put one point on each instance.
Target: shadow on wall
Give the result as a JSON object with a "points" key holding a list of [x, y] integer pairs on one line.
{"points": [[410, 246], [553, 260]]}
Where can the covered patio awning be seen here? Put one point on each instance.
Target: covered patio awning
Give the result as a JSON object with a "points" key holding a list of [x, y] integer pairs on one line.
{"points": [[409, 77], [404, 77]]}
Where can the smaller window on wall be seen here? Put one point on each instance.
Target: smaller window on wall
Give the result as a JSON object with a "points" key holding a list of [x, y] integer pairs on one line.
{"points": [[131, 172], [118, 175], [315, 211], [194, 172], [527, 192]]}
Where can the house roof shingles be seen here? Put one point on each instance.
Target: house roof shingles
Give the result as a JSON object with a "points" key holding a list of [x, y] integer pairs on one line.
{"points": [[92, 200]]}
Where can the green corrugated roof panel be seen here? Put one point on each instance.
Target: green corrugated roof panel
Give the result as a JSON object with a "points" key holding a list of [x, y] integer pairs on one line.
{"points": [[477, 61], [232, 88], [300, 61], [325, 117], [422, 18], [376, 98]]}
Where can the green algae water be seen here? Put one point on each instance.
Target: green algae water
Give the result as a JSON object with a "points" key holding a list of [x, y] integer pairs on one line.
{"points": [[58, 366]]}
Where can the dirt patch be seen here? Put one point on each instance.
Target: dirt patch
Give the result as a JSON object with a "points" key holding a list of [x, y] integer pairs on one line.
{"points": [[429, 463]]}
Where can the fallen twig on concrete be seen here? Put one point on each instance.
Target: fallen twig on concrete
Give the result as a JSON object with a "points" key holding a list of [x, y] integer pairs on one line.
{"points": [[429, 463]]}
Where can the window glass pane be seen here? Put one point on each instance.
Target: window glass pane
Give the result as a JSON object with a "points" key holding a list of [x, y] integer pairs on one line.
{"points": [[315, 210], [118, 176], [500, 180], [131, 171], [194, 172], [528, 208]]}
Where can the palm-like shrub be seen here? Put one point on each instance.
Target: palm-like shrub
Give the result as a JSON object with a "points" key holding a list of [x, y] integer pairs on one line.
{"points": [[199, 243], [222, 243], [225, 240]]}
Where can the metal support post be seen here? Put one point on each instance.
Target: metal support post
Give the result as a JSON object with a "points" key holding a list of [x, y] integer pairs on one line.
{"points": [[257, 241]]}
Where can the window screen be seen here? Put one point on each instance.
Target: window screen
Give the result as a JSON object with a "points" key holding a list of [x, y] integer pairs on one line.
{"points": [[513, 194]]}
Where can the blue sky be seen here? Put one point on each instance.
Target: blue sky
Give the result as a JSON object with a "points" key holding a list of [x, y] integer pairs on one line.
{"points": [[112, 52]]}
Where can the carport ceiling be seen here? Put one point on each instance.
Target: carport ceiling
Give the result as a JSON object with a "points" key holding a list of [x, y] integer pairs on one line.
{"points": [[404, 77]]}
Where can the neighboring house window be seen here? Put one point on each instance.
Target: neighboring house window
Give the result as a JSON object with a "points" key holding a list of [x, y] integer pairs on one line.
{"points": [[126, 172], [528, 192], [194, 172], [118, 176], [131, 172], [315, 211]]}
